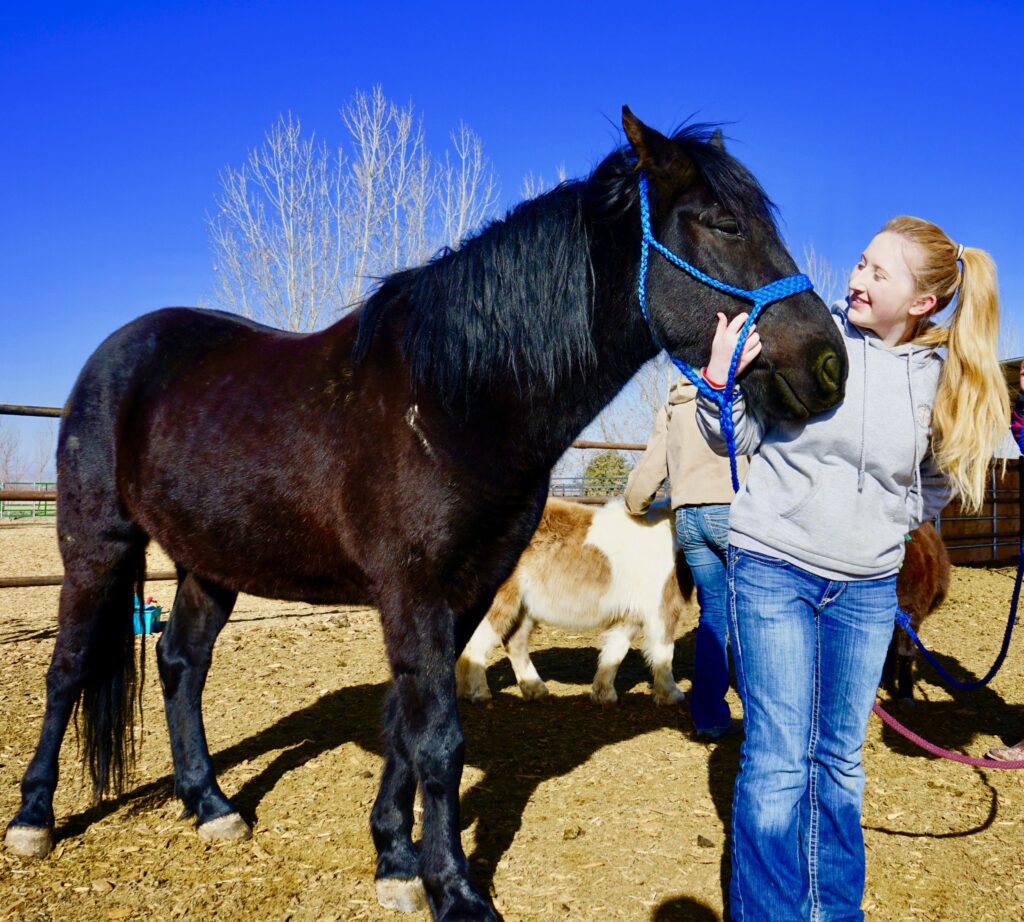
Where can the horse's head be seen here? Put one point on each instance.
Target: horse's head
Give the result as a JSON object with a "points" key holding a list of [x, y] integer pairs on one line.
{"points": [[708, 209]]}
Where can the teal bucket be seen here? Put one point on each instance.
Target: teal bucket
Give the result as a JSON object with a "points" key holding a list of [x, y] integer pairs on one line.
{"points": [[147, 619]]}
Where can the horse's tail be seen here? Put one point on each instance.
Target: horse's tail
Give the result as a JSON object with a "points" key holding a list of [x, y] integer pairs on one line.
{"points": [[113, 687]]}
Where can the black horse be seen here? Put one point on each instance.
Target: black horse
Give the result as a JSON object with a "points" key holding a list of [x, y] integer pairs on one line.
{"points": [[400, 457]]}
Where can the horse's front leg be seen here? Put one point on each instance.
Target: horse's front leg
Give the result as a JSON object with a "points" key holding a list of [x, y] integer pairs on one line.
{"points": [[398, 862], [424, 733]]}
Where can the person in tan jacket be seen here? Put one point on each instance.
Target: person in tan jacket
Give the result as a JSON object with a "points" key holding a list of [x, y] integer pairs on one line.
{"points": [[701, 490]]}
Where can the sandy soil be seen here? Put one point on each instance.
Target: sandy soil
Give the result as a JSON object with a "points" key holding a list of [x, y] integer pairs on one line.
{"points": [[569, 811]]}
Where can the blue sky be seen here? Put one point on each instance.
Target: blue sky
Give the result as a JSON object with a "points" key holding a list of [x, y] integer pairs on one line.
{"points": [[118, 117]]}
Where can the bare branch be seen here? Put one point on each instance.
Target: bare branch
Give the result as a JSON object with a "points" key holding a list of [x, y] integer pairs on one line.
{"points": [[10, 466], [275, 234], [829, 282], [300, 234], [468, 185], [532, 186]]}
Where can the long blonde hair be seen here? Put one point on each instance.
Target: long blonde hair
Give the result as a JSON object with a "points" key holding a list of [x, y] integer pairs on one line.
{"points": [[972, 410]]}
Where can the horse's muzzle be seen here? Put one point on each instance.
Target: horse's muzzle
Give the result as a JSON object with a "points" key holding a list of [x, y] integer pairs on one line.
{"points": [[803, 393]]}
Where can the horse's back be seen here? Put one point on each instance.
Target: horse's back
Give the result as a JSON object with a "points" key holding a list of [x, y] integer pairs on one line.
{"points": [[209, 431], [923, 579], [585, 566]]}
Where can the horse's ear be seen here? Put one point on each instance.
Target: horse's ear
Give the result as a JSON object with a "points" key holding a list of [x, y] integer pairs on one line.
{"points": [[717, 141], [664, 161]]}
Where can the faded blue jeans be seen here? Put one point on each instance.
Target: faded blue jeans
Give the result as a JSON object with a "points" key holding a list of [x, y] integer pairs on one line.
{"points": [[703, 534], [809, 654]]}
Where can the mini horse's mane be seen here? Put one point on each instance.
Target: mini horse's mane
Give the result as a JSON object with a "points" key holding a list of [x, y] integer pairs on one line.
{"points": [[516, 299]]}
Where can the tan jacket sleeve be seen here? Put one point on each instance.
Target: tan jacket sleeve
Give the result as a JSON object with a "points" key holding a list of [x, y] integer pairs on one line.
{"points": [[651, 470]]}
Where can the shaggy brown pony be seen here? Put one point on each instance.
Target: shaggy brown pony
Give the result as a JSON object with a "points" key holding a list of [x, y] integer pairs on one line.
{"points": [[920, 588]]}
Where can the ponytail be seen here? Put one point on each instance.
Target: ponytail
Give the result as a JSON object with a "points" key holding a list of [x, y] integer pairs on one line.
{"points": [[972, 410]]}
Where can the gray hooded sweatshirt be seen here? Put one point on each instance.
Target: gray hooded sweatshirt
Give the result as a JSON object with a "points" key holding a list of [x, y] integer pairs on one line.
{"points": [[836, 494]]}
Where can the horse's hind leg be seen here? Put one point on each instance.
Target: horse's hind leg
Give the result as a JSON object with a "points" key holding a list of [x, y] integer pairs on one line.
{"points": [[504, 616], [184, 653], [889, 668], [659, 648], [905, 679], [471, 668], [94, 654], [898, 671]]}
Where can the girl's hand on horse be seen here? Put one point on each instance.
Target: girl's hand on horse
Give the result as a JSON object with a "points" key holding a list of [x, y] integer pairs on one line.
{"points": [[727, 335]]}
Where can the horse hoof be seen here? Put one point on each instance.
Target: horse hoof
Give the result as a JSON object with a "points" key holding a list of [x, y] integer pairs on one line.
{"points": [[673, 696], [533, 691], [476, 695], [29, 841], [402, 895], [228, 828], [605, 697]]}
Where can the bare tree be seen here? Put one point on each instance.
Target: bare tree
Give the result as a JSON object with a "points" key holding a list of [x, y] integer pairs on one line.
{"points": [[10, 466], [301, 233], [388, 190], [532, 186], [467, 186], [276, 235], [1011, 342], [43, 465], [829, 282]]}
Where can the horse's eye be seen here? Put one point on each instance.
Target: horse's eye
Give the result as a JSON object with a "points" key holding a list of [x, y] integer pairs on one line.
{"points": [[728, 226]]}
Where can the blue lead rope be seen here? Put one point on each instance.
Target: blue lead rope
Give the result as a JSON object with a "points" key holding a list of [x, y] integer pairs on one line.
{"points": [[761, 298], [903, 620]]}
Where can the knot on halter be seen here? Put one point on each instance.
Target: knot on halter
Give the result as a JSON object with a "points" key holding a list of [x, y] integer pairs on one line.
{"points": [[759, 297]]}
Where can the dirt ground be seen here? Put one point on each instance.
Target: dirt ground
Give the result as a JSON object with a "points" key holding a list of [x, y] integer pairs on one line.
{"points": [[569, 811]]}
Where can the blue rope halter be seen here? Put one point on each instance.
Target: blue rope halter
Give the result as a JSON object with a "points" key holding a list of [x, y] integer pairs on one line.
{"points": [[761, 298]]}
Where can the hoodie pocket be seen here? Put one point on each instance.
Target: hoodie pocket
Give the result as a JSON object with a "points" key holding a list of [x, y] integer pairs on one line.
{"points": [[807, 498]]}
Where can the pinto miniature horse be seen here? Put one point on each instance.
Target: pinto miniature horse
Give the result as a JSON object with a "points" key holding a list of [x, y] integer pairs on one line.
{"points": [[585, 569], [921, 587], [400, 456]]}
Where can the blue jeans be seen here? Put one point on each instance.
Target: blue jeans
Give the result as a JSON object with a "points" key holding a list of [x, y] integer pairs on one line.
{"points": [[809, 654], [703, 533]]}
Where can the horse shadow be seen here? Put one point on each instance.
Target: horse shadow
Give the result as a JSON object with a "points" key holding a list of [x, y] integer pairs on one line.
{"points": [[497, 737], [517, 745]]}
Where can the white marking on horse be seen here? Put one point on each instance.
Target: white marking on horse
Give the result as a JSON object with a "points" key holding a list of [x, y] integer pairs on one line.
{"points": [[412, 419]]}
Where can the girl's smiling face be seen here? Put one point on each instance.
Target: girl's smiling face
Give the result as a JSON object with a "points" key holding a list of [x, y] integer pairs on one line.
{"points": [[883, 291]]}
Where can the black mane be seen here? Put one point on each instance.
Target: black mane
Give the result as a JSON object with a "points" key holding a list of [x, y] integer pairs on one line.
{"points": [[516, 299]]}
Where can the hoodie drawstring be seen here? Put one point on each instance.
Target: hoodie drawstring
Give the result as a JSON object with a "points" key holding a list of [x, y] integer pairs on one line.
{"points": [[863, 416], [913, 428]]}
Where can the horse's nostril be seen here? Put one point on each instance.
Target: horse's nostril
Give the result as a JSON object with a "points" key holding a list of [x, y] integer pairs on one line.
{"points": [[829, 371]]}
